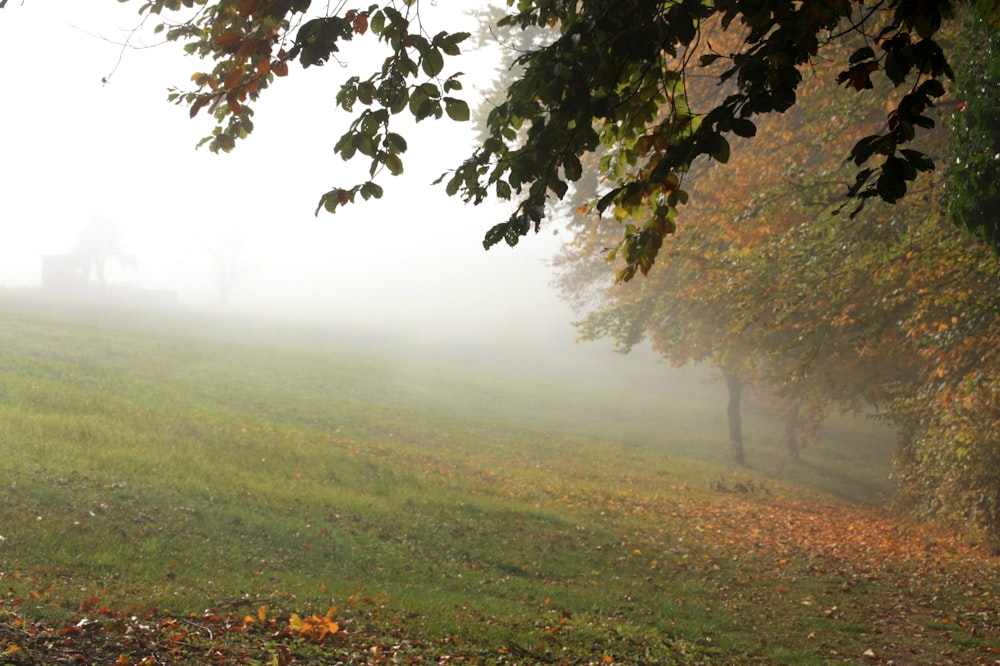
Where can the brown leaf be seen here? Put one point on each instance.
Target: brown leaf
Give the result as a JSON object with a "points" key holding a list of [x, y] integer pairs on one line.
{"points": [[361, 24], [198, 103], [228, 42]]}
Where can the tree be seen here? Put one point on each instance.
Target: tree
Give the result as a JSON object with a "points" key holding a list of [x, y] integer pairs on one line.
{"points": [[103, 240], [975, 194], [898, 311], [949, 458], [691, 306], [908, 312], [681, 327], [613, 74], [225, 251]]}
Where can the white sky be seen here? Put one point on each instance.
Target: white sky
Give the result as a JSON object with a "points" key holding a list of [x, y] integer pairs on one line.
{"points": [[74, 150]]}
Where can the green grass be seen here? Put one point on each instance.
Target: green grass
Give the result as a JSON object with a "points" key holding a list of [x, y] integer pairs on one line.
{"points": [[186, 463]]}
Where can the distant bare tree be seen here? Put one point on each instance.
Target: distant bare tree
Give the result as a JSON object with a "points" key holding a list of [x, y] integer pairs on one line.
{"points": [[226, 251], [103, 240]]}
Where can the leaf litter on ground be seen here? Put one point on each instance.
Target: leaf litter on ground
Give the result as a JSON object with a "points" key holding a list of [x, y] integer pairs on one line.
{"points": [[907, 590]]}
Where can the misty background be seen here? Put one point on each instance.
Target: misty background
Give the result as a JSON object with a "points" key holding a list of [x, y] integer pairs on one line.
{"points": [[79, 151]]}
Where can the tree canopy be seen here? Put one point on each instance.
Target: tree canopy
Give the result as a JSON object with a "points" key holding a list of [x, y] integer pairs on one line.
{"points": [[612, 77], [893, 312]]}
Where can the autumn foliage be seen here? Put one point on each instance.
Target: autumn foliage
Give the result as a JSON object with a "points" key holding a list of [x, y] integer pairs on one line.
{"points": [[892, 311]]}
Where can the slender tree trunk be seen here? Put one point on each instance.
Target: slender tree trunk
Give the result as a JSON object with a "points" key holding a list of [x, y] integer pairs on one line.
{"points": [[735, 387], [790, 416], [100, 261]]}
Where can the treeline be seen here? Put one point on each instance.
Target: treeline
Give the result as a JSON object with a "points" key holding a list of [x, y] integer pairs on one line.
{"points": [[891, 309]]}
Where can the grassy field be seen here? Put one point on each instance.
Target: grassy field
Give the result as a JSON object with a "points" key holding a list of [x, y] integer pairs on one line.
{"points": [[184, 487]]}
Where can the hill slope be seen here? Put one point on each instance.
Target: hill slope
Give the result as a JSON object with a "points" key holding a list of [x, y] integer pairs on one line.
{"points": [[150, 473]]}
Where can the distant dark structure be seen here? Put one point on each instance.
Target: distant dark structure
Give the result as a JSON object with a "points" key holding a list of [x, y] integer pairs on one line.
{"points": [[68, 276]]}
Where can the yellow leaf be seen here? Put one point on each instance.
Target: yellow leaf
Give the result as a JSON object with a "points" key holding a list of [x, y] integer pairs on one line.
{"points": [[262, 613]]}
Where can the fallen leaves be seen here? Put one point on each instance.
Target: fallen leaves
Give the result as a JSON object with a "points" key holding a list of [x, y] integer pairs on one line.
{"points": [[314, 627], [148, 638], [222, 638]]}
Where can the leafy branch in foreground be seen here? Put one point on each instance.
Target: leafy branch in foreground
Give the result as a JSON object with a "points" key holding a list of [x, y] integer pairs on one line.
{"points": [[612, 77], [616, 78], [252, 42]]}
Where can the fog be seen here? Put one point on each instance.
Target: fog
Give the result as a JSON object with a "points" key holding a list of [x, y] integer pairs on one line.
{"points": [[78, 150]]}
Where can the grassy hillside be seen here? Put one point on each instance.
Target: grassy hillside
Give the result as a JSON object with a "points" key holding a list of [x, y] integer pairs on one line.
{"points": [[160, 467]]}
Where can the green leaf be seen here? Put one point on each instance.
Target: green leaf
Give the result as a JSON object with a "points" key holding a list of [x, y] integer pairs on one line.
{"points": [[449, 42], [718, 148], [370, 190], [683, 23], [865, 148], [394, 164], [864, 53], [345, 146], [919, 160], [334, 198], [453, 186], [430, 90], [425, 109], [348, 94], [559, 187], [898, 59], [363, 144], [376, 22], [860, 179], [366, 93], [456, 109], [432, 62], [395, 142], [572, 167], [891, 186], [495, 235], [399, 101], [744, 127], [932, 88], [417, 98]]}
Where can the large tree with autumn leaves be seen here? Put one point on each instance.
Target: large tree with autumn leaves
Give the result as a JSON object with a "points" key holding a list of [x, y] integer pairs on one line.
{"points": [[895, 310]]}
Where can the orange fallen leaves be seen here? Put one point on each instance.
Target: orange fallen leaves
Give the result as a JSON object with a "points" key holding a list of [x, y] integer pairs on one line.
{"points": [[314, 627], [261, 616]]}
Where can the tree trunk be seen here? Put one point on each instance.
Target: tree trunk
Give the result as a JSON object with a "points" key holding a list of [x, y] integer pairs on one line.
{"points": [[790, 416], [735, 387]]}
